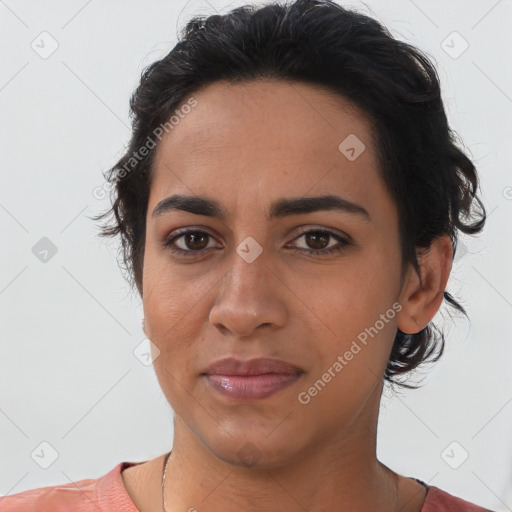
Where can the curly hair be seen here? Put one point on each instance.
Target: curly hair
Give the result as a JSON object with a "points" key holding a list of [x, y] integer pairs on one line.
{"points": [[432, 181]]}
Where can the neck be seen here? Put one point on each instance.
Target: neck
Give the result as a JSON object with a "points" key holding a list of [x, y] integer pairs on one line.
{"points": [[340, 474]]}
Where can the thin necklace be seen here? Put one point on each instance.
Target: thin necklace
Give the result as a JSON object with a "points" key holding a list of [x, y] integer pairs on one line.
{"points": [[163, 480]]}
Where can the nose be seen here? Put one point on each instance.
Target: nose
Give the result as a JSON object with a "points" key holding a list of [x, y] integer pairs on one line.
{"points": [[249, 296]]}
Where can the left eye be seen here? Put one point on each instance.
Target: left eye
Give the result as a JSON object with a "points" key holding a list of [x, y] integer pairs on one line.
{"points": [[319, 239], [194, 242]]}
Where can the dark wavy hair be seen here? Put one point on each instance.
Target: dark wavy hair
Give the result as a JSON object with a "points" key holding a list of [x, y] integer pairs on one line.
{"points": [[433, 182]]}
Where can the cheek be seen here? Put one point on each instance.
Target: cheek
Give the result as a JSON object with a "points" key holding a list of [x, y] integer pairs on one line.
{"points": [[358, 321], [171, 327], [168, 295], [351, 297], [175, 305], [164, 307]]}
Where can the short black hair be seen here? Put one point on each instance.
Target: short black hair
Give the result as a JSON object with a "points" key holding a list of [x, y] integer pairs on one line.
{"points": [[318, 42]]}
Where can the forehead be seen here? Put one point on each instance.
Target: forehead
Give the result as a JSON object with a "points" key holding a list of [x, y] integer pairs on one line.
{"points": [[266, 138]]}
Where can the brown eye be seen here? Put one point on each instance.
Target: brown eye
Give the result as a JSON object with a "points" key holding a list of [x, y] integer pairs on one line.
{"points": [[317, 239], [195, 240], [189, 243], [318, 242]]}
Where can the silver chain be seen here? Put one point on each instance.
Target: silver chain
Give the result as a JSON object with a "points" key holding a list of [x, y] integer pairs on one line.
{"points": [[163, 480]]}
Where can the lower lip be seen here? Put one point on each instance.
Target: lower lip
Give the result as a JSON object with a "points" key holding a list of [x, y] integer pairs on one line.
{"points": [[251, 387]]}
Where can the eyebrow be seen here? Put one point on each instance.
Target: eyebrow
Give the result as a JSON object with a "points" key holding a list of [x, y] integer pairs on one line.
{"points": [[278, 209]]}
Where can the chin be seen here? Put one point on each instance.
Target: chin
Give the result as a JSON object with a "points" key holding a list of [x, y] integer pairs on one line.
{"points": [[255, 451]]}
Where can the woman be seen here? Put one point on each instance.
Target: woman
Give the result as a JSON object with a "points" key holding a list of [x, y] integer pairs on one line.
{"points": [[288, 208]]}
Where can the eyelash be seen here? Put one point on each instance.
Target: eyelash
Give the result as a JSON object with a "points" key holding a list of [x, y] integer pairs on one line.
{"points": [[342, 243]]}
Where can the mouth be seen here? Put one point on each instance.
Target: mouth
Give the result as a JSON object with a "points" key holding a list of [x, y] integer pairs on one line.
{"points": [[251, 387], [251, 380]]}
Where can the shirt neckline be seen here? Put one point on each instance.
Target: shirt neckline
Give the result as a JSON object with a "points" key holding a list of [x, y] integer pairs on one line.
{"points": [[126, 504]]}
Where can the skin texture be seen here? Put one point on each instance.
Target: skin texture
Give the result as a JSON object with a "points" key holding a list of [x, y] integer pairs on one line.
{"points": [[246, 145]]}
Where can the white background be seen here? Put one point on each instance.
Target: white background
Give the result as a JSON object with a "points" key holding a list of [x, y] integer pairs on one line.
{"points": [[68, 327]]}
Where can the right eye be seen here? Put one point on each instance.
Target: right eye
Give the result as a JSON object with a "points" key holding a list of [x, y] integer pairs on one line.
{"points": [[191, 242]]}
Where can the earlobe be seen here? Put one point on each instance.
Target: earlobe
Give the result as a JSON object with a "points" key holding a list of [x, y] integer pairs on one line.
{"points": [[422, 294]]}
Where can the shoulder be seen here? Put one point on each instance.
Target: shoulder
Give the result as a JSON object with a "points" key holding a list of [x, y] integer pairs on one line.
{"points": [[88, 495], [438, 500]]}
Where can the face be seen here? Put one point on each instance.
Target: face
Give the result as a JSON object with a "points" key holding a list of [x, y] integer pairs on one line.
{"points": [[269, 273]]}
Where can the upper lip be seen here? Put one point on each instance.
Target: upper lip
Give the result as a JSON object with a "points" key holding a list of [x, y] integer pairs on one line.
{"points": [[259, 366]]}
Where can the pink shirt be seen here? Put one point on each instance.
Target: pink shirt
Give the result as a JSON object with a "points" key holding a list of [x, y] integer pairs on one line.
{"points": [[108, 494]]}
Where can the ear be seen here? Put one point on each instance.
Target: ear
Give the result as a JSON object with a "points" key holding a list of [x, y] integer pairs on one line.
{"points": [[422, 295]]}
